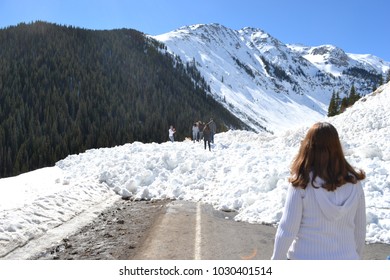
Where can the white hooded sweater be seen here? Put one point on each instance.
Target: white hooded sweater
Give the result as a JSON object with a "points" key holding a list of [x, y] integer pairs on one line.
{"points": [[318, 224]]}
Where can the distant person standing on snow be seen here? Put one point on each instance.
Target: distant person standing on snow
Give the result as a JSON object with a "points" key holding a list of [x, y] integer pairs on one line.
{"points": [[213, 129], [200, 126], [171, 133], [324, 215], [195, 132], [207, 136]]}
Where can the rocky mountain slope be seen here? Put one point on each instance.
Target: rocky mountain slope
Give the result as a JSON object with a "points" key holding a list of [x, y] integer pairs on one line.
{"points": [[268, 84]]}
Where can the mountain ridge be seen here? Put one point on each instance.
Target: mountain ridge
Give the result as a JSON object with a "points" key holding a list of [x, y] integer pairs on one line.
{"points": [[255, 75]]}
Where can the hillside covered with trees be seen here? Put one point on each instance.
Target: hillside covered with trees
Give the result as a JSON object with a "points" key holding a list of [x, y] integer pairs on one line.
{"points": [[64, 90]]}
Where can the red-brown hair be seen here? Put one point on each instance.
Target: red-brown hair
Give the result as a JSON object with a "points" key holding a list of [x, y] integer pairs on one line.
{"points": [[322, 155]]}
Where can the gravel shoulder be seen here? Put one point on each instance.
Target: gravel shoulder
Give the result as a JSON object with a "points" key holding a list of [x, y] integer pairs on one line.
{"points": [[115, 234]]}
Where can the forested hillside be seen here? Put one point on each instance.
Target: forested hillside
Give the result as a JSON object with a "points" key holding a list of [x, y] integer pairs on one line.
{"points": [[64, 90]]}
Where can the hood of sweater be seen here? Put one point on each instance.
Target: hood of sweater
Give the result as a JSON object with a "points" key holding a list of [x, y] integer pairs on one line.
{"points": [[336, 204]]}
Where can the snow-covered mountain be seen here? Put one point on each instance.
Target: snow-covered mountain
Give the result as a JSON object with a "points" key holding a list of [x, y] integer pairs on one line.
{"points": [[271, 85]]}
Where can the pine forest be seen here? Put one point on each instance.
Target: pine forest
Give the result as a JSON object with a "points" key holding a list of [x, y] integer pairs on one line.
{"points": [[64, 90]]}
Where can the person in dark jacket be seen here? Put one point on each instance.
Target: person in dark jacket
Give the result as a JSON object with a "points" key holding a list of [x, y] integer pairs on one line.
{"points": [[213, 129], [201, 127], [207, 136]]}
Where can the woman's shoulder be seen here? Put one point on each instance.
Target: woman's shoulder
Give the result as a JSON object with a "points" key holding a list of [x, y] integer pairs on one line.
{"points": [[297, 190]]}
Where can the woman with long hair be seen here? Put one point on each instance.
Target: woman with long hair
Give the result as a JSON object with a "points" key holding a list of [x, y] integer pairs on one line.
{"points": [[324, 215]]}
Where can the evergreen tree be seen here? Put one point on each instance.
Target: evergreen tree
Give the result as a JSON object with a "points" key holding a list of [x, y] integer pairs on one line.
{"points": [[349, 100], [343, 105], [353, 96], [333, 105]]}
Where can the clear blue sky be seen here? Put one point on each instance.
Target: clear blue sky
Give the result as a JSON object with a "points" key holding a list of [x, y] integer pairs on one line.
{"points": [[357, 26]]}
